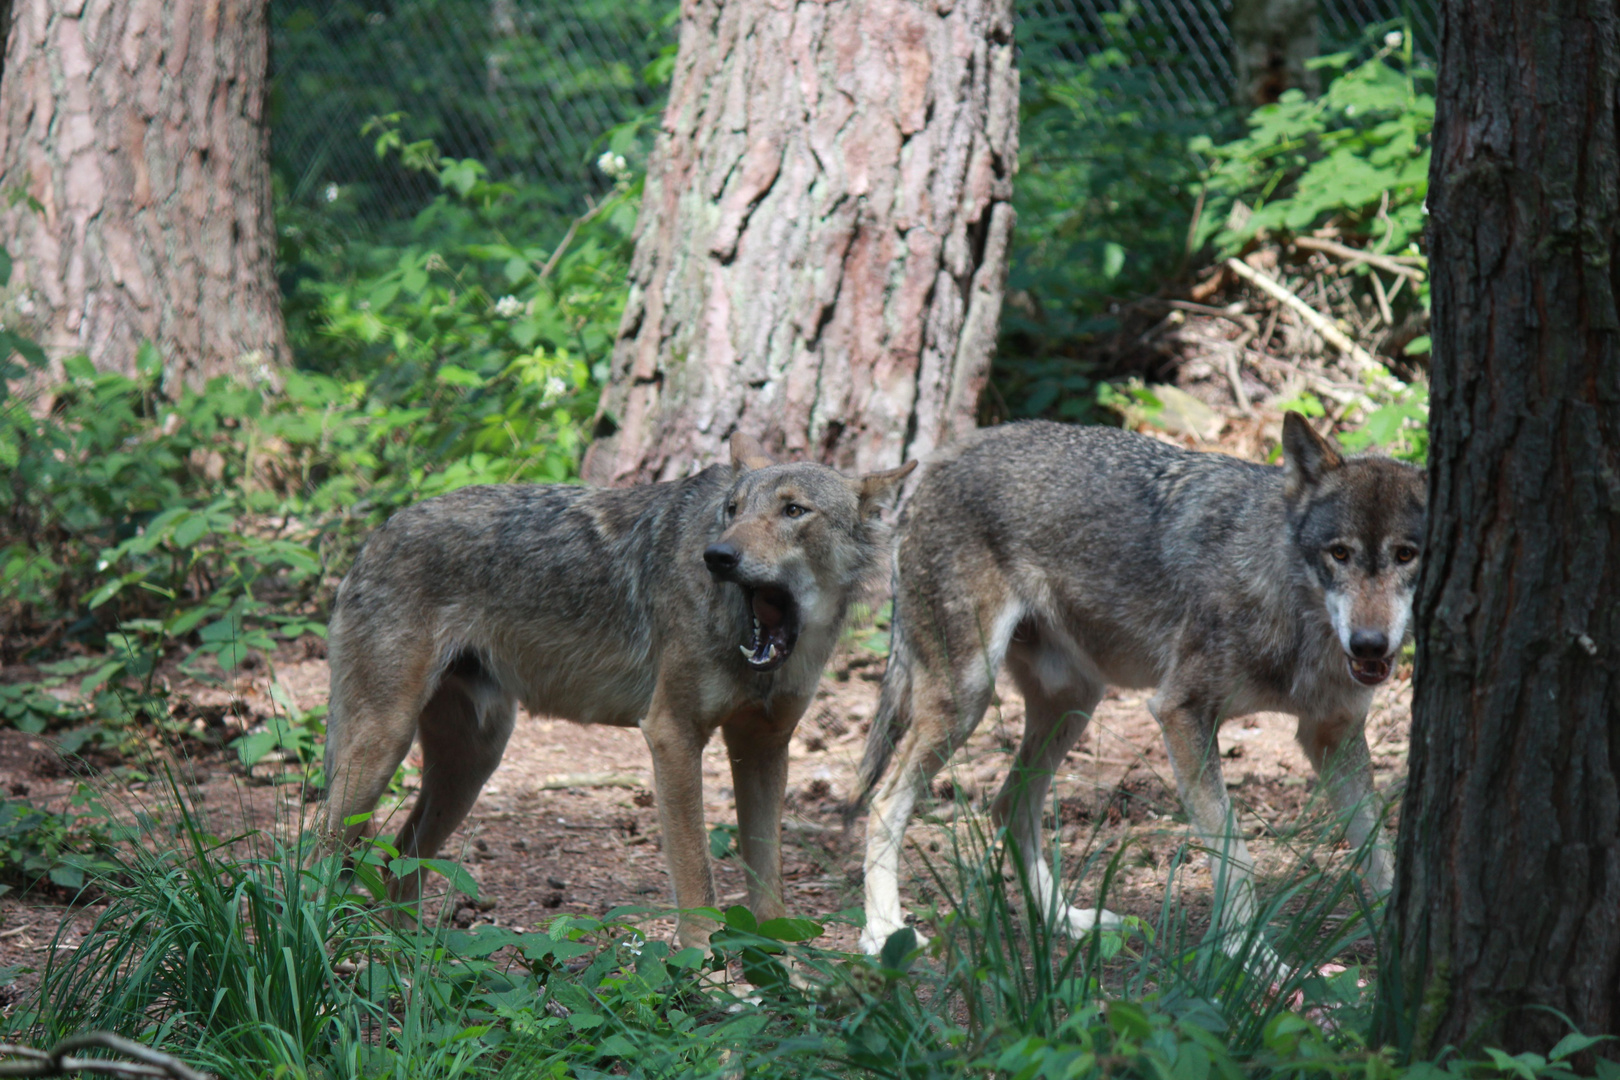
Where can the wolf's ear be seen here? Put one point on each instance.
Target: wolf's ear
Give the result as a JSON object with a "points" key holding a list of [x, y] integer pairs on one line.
{"points": [[876, 488], [746, 453], [1310, 457]]}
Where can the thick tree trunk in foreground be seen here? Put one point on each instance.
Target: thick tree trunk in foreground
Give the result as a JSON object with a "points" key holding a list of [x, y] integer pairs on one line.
{"points": [[1271, 41], [1508, 879], [823, 241], [137, 127]]}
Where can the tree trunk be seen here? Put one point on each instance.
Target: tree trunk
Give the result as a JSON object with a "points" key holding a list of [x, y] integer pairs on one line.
{"points": [[1271, 41], [1508, 879], [823, 241], [136, 130]]}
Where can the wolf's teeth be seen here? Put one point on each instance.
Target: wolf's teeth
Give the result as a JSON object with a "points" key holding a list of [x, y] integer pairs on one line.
{"points": [[756, 625], [746, 651]]}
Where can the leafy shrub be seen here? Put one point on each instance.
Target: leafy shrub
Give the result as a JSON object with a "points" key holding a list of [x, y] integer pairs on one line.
{"points": [[1358, 157]]}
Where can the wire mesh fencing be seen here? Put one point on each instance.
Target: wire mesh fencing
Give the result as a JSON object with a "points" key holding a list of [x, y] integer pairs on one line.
{"points": [[530, 87]]}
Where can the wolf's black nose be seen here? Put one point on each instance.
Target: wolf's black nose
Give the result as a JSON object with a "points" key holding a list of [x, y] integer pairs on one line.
{"points": [[1368, 645], [721, 558]]}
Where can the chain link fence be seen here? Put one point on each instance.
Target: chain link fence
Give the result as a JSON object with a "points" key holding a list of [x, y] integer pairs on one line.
{"points": [[530, 87]]}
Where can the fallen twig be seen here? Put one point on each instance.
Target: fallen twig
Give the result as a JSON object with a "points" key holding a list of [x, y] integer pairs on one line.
{"points": [[59, 1060], [1313, 318], [1393, 264]]}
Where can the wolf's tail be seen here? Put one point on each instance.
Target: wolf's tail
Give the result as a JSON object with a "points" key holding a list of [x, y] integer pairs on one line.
{"points": [[889, 724]]}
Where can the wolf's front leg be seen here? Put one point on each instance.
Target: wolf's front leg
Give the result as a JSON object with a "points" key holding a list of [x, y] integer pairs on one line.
{"points": [[759, 766], [1338, 750], [1189, 736], [677, 753]]}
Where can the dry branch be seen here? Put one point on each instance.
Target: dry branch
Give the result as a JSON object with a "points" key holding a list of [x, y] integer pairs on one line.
{"points": [[1313, 318], [60, 1060], [1393, 264]]}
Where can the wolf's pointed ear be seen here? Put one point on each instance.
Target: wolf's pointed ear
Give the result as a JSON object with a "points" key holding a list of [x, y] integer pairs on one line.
{"points": [[746, 453], [1310, 457], [876, 488]]}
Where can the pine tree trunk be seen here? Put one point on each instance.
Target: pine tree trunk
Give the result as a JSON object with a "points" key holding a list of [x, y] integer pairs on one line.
{"points": [[1271, 41], [1508, 878], [823, 241], [136, 130]]}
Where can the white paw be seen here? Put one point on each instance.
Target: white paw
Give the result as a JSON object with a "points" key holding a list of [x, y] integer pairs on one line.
{"points": [[877, 933], [1076, 921]]}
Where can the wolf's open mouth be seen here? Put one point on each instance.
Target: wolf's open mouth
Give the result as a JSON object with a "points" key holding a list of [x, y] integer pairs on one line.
{"points": [[775, 627], [1369, 672]]}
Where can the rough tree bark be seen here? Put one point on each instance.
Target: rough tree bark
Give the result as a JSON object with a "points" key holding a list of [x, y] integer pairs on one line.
{"points": [[136, 127], [1271, 41], [823, 240], [1508, 866]]}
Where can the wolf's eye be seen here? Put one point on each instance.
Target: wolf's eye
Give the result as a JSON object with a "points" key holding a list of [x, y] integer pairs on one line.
{"points": [[731, 509], [1405, 554], [794, 510], [1339, 552]]}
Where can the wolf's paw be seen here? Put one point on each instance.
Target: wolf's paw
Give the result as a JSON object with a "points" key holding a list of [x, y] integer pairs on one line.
{"points": [[877, 933], [1076, 921]]}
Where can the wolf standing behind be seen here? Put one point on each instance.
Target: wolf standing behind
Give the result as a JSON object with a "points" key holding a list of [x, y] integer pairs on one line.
{"points": [[680, 607], [1083, 557]]}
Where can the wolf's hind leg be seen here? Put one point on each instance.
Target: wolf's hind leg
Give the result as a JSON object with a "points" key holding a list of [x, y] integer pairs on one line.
{"points": [[1054, 719], [946, 706], [464, 729], [367, 737], [1338, 750]]}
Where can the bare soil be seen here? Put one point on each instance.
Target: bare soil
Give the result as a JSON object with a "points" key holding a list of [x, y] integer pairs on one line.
{"points": [[568, 823]]}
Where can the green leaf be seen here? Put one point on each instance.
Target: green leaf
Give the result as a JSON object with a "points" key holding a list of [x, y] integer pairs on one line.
{"points": [[189, 531], [720, 841], [790, 929], [740, 918], [79, 366], [1113, 260], [1574, 1043], [5, 267], [149, 362], [1419, 345], [68, 877], [451, 375], [898, 950]]}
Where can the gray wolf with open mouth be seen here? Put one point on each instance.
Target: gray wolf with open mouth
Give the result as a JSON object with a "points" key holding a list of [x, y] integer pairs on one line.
{"points": [[680, 607], [1082, 557]]}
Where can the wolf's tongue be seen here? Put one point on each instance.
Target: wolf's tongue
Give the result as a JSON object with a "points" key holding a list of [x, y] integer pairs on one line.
{"points": [[1369, 672], [767, 614]]}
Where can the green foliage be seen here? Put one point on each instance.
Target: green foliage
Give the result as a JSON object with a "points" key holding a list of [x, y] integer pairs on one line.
{"points": [[507, 84], [1104, 196], [65, 848], [249, 958], [1356, 157], [486, 272]]}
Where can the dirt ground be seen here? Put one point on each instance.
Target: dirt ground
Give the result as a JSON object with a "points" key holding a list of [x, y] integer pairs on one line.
{"points": [[567, 823]]}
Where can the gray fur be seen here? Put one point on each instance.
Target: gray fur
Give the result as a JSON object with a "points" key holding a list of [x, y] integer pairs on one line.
{"points": [[1086, 556], [595, 605]]}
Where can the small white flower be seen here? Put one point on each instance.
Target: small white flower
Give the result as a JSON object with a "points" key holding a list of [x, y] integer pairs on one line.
{"points": [[25, 304], [633, 944], [1393, 39], [508, 306], [555, 387], [613, 165], [332, 191]]}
